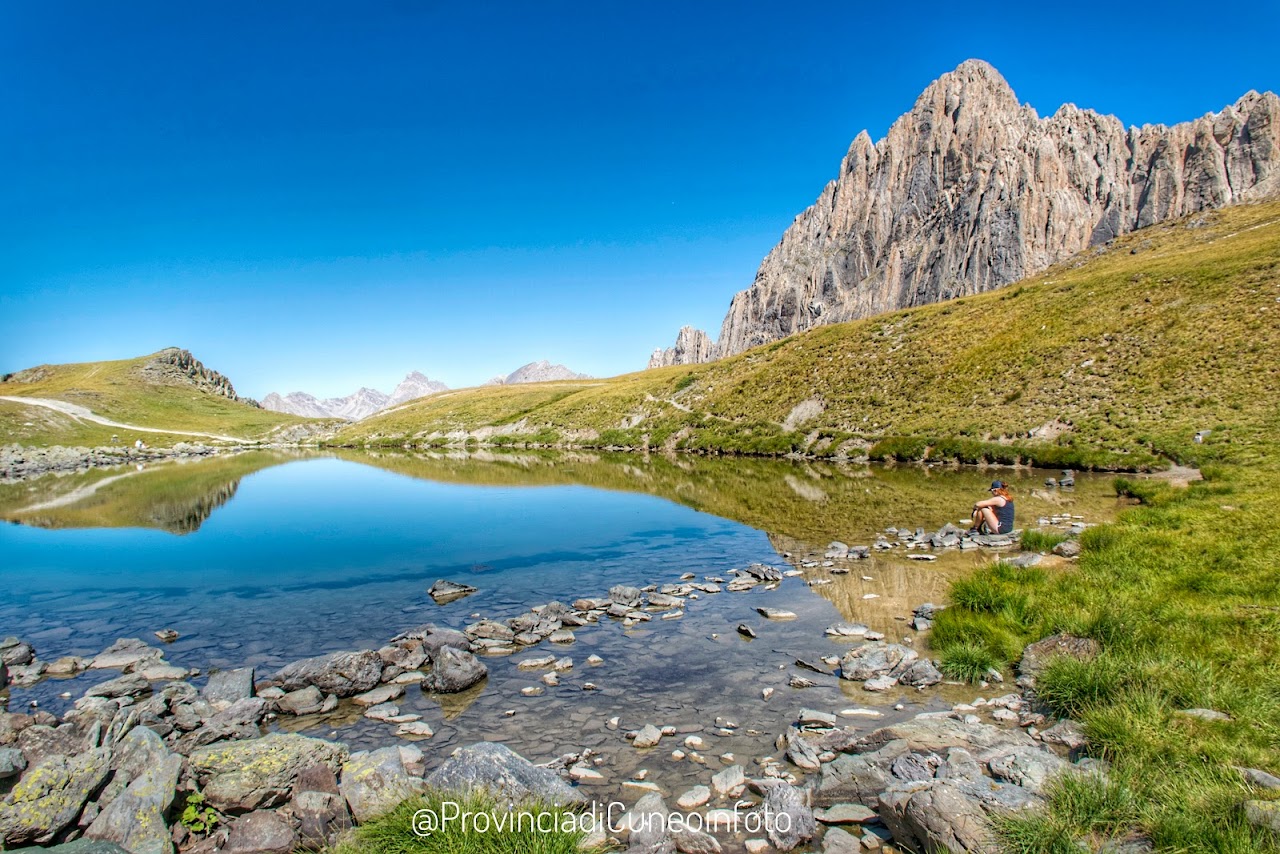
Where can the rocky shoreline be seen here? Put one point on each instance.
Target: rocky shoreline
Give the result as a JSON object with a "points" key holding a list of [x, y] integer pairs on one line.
{"points": [[19, 462], [122, 763], [148, 741]]}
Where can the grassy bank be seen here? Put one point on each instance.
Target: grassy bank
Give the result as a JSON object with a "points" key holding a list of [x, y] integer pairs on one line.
{"points": [[1183, 595], [124, 391], [1115, 359], [402, 831]]}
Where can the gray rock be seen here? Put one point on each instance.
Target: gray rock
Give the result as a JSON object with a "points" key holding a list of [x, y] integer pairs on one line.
{"points": [[1205, 714], [628, 597], [876, 659], [791, 820], [12, 762], [260, 832], [129, 685], [50, 796], [504, 773], [1028, 767], [690, 841], [124, 654], [1036, 656], [304, 701], [937, 734], [448, 591], [947, 815], [140, 749], [724, 782], [19, 654], [1023, 560], [648, 736], [647, 821], [921, 674], [837, 841], [136, 819], [375, 782], [227, 686], [454, 670], [322, 817], [1067, 733], [1067, 549], [1252, 776], [846, 814], [342, 674], [242, 776], [1263, 814]]}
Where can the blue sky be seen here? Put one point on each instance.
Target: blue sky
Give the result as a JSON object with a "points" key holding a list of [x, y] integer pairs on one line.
{"points": [[320, 196]]}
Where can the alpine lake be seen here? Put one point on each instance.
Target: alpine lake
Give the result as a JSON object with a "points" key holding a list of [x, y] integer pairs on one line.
{"points": [[261, 558]]}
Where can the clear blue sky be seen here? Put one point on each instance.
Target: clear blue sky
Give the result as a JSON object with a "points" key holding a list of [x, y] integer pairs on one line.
{"points": [[319, 196]]}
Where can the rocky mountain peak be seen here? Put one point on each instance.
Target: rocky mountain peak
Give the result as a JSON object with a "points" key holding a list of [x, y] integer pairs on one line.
{"points": [[174, 365], [971, 190], [538, 372]]}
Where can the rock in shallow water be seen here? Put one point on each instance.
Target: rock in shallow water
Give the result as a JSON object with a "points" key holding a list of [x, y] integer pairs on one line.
{"points": [[342, 674], [454, 671]]}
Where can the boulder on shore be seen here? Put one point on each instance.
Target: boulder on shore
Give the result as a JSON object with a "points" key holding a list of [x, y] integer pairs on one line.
{"points": [[241, 776], [504, 773]]}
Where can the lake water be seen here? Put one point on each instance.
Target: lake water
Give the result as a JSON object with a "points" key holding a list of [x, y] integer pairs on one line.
{"points": [[261, 559]]}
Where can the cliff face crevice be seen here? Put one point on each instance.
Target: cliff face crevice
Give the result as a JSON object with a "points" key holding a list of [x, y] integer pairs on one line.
{"points": [[971, 190]]}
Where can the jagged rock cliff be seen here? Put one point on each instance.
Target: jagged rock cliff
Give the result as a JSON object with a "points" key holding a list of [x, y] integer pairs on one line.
{"points": [[175, 365], [971, 191], [692, 346]]}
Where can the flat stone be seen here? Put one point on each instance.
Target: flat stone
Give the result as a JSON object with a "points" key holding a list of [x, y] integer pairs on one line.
{"points": [[1205, 714], [694, 798], [304, 701], [380, 695], [129, 685], [776, 614], [1264, 814], [846, 814], [415, 729], [343, 674]]}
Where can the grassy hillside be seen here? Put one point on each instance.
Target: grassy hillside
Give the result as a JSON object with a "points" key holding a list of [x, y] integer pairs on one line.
{"points": [[1125, 353], [120, 391]]}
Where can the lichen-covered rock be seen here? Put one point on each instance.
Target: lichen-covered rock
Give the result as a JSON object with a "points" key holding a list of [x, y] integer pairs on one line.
{"points": [[375, 782], [971, 190], [873, 660], [241, 776], [228, 686], [50, 796], [504, 773], [948, 815], [136, 819]]}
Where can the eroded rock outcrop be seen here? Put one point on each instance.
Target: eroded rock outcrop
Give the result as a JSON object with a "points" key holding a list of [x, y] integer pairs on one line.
{"points": [[972, 190]]}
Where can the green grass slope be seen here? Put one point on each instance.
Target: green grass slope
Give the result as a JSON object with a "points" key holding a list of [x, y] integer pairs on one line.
{"points": [[121, 391], [1125, 352]]}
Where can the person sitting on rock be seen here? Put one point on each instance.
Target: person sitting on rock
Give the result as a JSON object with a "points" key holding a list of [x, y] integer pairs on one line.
{"points": [[994, 515]]}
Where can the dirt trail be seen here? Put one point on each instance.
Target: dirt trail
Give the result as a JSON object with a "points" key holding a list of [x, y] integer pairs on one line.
{"points": [[79, 412]]}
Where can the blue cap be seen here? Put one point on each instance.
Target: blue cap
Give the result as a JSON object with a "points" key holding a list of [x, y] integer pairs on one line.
{"points": [[996, 484]]}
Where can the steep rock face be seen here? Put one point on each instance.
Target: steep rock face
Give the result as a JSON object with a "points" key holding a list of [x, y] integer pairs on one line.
{"points": [[970, 191], [174, 365], [692, 346], [537, 372]]}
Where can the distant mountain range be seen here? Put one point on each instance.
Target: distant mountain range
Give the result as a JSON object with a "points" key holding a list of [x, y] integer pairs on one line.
{"points": [[538, 372], [359, 404], [366, 401]]}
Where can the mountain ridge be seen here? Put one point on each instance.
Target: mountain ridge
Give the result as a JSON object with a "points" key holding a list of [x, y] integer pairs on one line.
{"points": [[361, 403], [971, 190]]}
